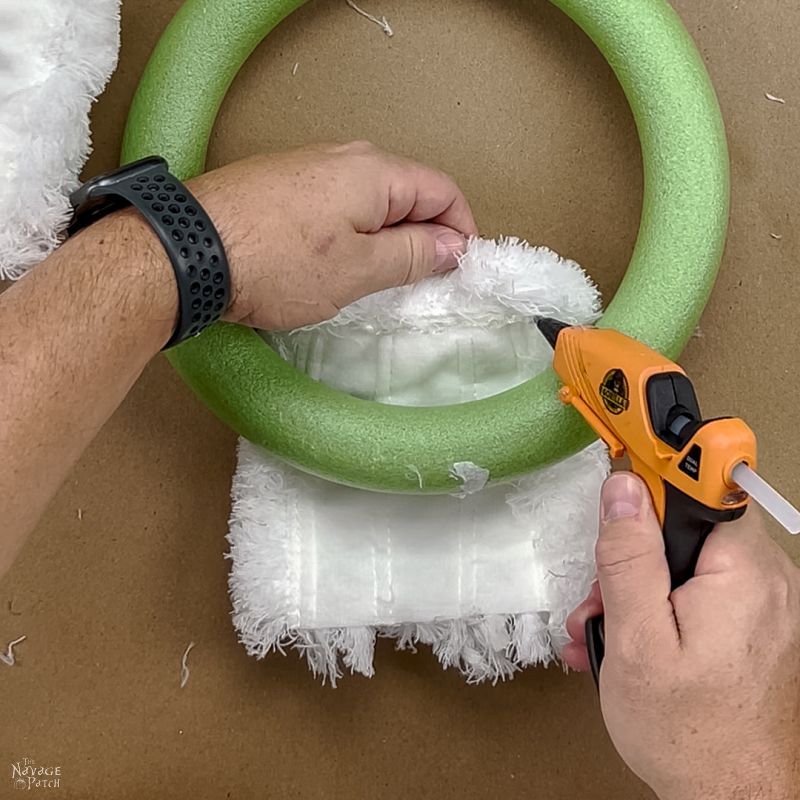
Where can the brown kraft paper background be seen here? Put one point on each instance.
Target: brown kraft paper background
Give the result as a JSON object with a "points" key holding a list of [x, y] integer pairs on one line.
{"points": [[514, 101]]}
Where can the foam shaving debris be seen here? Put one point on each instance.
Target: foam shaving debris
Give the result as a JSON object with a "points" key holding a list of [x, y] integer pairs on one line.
{"points": [[380, 21], [184, 666], [415, 473], [8, 657], [473, 478]]}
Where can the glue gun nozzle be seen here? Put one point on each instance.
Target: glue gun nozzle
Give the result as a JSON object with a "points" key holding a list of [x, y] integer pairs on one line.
{"points": [[550, 329]]}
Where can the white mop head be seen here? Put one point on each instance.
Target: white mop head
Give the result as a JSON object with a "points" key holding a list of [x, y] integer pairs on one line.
{"points": [[55, 58], [486, 579]]}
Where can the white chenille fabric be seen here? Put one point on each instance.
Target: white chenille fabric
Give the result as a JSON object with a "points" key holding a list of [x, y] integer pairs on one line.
{"points": [[486, 578], [55, 59]]}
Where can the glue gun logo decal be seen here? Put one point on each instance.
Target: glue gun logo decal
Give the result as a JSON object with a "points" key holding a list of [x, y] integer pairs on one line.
{"points": [[614, 391]]}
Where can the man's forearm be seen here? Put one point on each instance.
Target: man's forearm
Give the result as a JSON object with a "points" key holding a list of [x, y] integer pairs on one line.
{"points": [[306, 232], [74, 336]]}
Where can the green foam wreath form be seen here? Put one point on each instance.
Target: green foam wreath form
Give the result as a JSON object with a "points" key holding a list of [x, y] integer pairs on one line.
{"points": [[351, 441]]}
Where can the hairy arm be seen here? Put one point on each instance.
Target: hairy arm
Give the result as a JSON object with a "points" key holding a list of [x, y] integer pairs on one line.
{"points": [[75, 334], [306, 232]]}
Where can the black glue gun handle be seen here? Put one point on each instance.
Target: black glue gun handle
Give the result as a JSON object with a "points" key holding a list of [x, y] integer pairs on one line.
{"points": [[687, 524]]}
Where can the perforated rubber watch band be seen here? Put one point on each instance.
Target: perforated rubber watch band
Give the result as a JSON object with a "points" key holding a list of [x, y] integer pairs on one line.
{"points": [[187, 233]]}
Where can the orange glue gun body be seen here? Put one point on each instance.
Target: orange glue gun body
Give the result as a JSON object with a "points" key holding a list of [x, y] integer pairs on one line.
{"points": [[644, 406]]}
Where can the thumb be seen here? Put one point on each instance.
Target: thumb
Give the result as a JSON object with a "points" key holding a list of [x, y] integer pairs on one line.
{"points": [[412, 251], [631, 565]]}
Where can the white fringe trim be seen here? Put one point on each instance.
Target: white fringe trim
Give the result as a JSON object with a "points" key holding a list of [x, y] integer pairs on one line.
{"points": [[265, 550], [482, 648], [57, 57], [498, 282]]}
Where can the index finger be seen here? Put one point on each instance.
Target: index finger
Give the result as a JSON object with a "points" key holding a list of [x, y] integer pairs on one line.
{"points": [[433, 197], [418, 193]]}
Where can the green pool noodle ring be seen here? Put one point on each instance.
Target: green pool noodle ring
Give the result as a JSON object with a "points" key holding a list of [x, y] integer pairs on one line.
{"points": [[400, 449]]}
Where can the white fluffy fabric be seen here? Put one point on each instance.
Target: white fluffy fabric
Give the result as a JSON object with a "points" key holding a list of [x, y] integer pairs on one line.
{"points": [[486, 578], [55, 58]]}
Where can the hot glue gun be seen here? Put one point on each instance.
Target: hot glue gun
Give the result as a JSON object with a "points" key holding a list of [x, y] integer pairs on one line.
{"points": [[700, 472]]}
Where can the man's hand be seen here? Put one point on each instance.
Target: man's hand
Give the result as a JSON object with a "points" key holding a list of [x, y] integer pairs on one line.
{"points": [[309, 231], [700, 688], [306, 233]]}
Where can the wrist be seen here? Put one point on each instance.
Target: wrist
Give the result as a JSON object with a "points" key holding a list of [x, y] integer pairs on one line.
{"points": [[155, 289], [186, 234], [220, 202], [131, 277]]}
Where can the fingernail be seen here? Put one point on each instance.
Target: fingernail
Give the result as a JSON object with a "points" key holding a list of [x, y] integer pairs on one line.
{"points": [[622, 497], [449, 246]]}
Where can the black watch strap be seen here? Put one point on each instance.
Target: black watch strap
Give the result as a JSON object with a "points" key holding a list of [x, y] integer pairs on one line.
{"points": [[185, 230]]}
